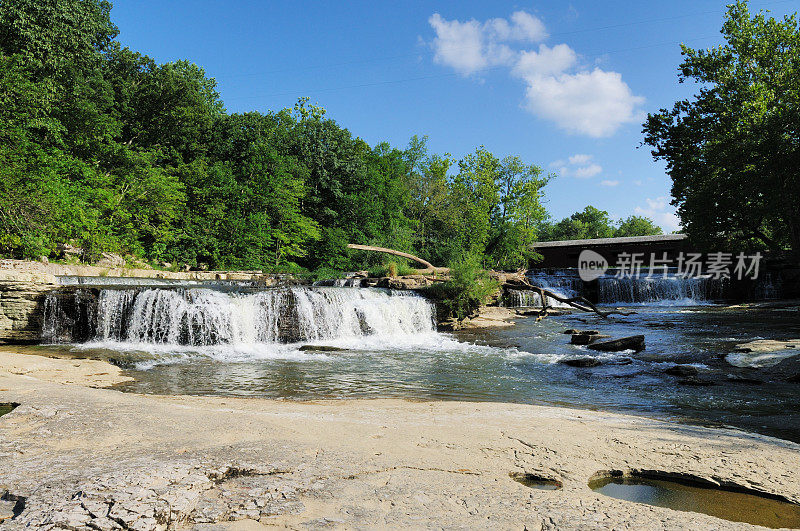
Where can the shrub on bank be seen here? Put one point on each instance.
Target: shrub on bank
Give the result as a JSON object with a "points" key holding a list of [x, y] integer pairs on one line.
{"points": [[468, 288]]}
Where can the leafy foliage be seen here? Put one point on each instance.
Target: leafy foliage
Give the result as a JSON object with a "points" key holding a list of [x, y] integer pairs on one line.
{"points": [[594, 223], [104, 148], [467, 288], [733, 149]]}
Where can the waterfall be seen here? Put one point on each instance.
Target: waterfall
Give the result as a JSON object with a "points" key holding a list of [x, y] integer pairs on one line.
{"points": [[669, 289], [202, 317], [658, 289], [563, 283]]}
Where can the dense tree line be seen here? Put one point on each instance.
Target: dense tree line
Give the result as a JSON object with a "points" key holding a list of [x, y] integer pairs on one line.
{"points": [[103, 147]]}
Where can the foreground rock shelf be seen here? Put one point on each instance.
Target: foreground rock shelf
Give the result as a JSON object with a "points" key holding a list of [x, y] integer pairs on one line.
{"points": [[79, 456]]}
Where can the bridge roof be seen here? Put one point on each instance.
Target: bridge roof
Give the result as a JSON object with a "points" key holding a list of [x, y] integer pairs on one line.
{"points": [[613, 241]]}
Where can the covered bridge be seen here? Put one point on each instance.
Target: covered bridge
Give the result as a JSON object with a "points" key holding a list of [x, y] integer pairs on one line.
{"points": [[559, 254]]}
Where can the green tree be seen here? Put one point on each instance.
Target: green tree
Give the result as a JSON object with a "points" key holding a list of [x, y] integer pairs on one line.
{"points": [[733, 149], [636, 226]]}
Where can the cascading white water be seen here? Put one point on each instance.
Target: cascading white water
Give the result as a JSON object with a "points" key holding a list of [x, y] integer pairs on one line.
{"points": [[565, 285], [657, 288], [204, 317], [669, 289]]}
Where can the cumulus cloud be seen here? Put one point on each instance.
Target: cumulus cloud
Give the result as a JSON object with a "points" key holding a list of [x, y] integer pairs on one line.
{"points": [[580, 100], [595, 103], [609, 183], [579, 158], [579, 165], [470, 46], [660, 211]]}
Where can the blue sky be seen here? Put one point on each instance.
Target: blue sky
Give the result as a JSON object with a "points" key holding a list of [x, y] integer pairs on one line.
{"points": [[562, 85]]}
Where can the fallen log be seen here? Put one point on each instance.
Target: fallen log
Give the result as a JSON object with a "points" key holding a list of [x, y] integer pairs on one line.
{"points": [[579, 303], [428, 266]]}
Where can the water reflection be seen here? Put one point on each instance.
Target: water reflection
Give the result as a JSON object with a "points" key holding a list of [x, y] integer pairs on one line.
{"points": [[734, 506]]}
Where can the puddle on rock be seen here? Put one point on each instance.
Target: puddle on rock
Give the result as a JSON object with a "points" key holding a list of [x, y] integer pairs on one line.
{"points": [[6, 407], [736, 506], [535, 482]]}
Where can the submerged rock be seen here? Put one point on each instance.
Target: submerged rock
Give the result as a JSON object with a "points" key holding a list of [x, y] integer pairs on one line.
{"points": [[738, 378], [635, 343], [623, 361], [696, 382], [322, 348], [682, 370], [586, 361]]}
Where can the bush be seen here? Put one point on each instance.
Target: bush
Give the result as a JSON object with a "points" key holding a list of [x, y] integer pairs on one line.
{"points": [[391, 269], [326, 273], [468, 288]]}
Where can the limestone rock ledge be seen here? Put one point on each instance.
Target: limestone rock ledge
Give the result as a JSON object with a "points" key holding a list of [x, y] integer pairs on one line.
{"points": [[22, 305]]}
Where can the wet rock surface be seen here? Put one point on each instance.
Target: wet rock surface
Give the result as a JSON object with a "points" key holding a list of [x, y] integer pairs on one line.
{"points": [[586, 361], [635, 343], [84, 458], [682, 370]]}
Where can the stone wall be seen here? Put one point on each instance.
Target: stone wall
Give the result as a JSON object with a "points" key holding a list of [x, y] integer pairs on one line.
{"points": [[22, 305]]}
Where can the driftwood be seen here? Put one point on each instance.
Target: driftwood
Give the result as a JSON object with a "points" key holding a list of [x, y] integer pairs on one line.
{"points": [[579, 303], [428, 266]]}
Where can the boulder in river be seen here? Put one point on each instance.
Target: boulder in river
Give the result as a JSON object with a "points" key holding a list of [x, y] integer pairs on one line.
{"points": [[585, 339], [585, 361], [682, 370], [635, 343]]}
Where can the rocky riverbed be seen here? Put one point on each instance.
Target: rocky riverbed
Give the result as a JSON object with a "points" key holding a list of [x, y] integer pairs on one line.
{"points": [[74, 455]]}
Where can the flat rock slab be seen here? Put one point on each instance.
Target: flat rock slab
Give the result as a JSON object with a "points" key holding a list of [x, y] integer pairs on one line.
{"points": [[322, 348], [768, 345], [84, 458]]}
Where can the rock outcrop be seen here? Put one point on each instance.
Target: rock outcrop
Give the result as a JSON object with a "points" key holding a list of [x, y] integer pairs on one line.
{"points": [[22, 305]]}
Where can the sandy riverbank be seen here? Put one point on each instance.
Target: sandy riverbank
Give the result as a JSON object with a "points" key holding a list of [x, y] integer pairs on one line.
{"points": [[80, 455]]}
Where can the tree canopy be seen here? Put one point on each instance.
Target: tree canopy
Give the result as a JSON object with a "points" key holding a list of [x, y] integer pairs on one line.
{"points": [[106, 149], [733, 150], [594, 223]]}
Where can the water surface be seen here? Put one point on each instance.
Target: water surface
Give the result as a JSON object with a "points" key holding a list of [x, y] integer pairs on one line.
{"points": [[733, 506], [518, 364]]}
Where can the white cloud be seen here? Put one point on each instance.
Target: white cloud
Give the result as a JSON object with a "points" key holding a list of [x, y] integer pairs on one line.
{"points": [[547, 61], [592, 102], [580, 158], [579, 165], [609, 183], [470, 46], [585, 172], [660, 211]]}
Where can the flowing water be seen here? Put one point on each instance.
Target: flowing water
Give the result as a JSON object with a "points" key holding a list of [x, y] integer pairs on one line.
{"points": [[266, 343]]}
